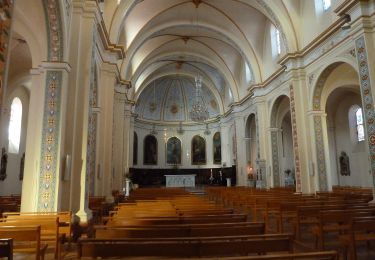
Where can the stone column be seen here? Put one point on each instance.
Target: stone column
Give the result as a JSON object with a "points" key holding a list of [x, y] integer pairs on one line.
{"points": [[118, 138], [241, 151], [127, 145], [274, 136], [365, 56], [108, 80], [320, 167], [301, 133], [226, 153], [81, 57], [261, 140], [43, 160]]}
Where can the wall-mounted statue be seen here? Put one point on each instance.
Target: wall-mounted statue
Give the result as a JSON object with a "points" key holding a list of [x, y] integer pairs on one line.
{"points": [[344, 164], [3, 166]]}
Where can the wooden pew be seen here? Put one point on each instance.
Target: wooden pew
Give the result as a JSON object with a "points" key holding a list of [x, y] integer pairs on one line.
{"points": [[65, 220], [49, 228], [195, 247], [360, 229], [336, 221], [179, 231], [26, 239], [324, 255], [6, 248]]}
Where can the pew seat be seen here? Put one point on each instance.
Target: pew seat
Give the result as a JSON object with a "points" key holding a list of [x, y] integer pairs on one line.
{"points": [[26, 239]]}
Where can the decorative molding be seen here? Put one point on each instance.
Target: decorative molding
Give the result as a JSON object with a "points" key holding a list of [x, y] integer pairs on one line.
{"points": [[367, 99], [54, 30], [257, 134], [295, 140], [275, 158], [6, 13], [49, 156], [50, 142], [320, 153], [92, 126]]}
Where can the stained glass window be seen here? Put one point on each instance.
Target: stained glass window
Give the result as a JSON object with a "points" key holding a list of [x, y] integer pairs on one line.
{"points": [[15, 124], [359, 121]]}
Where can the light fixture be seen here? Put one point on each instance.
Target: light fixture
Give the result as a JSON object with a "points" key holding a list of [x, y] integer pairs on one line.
{"points": [[199, 112], [346, 25]]}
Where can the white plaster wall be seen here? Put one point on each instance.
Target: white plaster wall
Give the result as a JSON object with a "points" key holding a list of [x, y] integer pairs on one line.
{"points": [[165, 132], [359, 166], [269, 60], [12, 184], [315, 20], [286, 153]]}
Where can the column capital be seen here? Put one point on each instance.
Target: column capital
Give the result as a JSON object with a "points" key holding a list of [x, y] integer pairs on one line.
{"points": [[55, 66], [320, 113], [274, 129]]}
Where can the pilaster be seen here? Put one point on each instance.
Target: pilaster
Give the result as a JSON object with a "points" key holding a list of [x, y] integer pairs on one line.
{"points": [[81, 57], [43, 166], [274, 136], [261, 140], [239, 122], [320, 165]]}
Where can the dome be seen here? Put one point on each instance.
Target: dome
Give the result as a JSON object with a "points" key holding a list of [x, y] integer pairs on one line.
{"points": [[170, 99]]}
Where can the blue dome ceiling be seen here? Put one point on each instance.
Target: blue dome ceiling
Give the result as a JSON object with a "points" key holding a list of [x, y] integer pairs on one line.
{"points": [[170, 99]]}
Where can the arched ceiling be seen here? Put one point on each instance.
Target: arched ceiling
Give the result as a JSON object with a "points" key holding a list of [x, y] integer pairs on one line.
{"points": [[223, 40], [169, 100]]}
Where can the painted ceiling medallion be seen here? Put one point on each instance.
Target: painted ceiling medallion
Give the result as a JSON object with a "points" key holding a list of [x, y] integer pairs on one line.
{"points": [[174, 109], [152, 106], [213, 104]]}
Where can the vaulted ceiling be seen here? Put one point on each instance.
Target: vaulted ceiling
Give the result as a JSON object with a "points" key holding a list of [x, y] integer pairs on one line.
{"points": [[222, 40]]}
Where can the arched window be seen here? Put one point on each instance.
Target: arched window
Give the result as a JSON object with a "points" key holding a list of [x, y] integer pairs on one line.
{"points": [[248, 75], [275, 41], [15, 124], [174, 151], [198, 150], [359, 124], [150, 150], [326, 4], [217, 148]]}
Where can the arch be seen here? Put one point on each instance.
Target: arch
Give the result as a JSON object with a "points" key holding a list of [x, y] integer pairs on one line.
{"points": [[173, 151], [145, 69], [276, 119], [268, 9], [198, 150], [252, 142], [54, 30], [342, 139], [247, 53], [321, 94], [150, 150]]}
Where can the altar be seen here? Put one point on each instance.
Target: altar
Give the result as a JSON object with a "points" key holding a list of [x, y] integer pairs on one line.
{"points": [[181, 180]]}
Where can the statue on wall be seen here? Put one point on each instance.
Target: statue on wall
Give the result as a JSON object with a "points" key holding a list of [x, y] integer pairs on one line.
{"points": [[3, 166], [22, 166], [344, 164]]}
